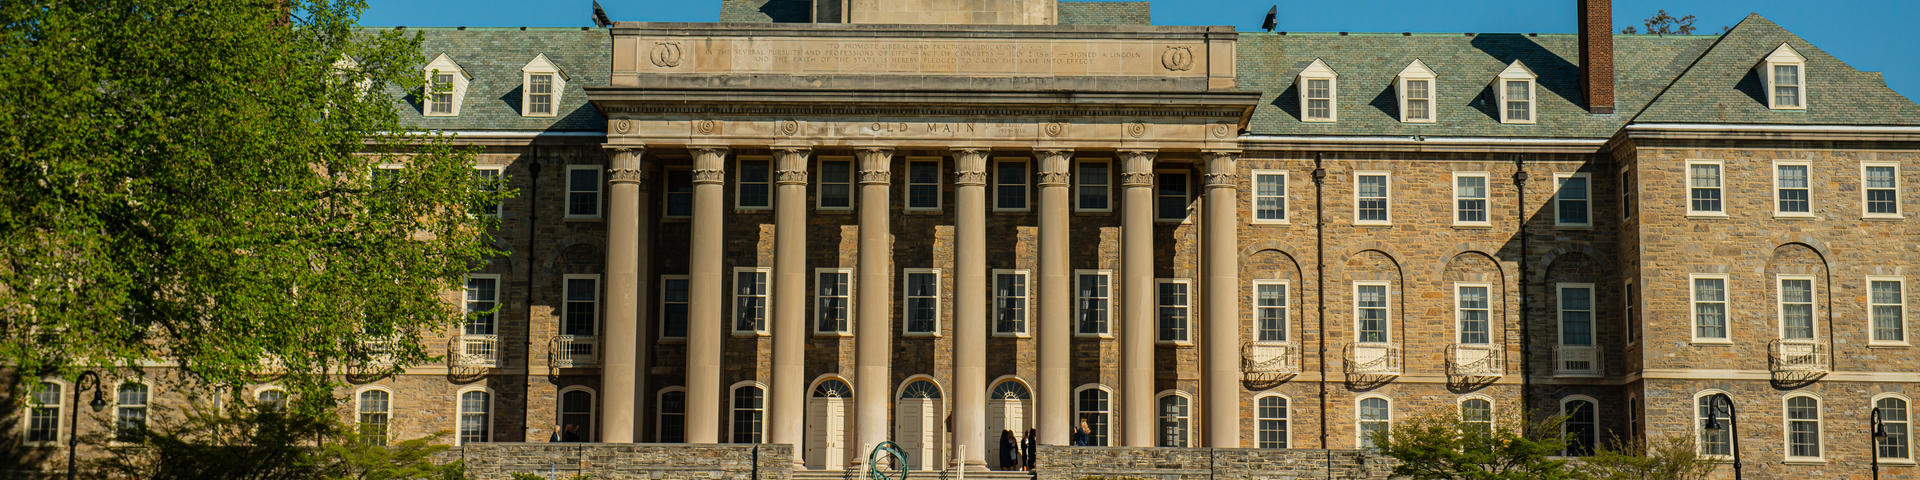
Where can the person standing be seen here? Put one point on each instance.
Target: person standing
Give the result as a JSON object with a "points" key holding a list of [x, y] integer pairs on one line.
{"points": [[1009, 451], [1027, 447], [1083, 435]]}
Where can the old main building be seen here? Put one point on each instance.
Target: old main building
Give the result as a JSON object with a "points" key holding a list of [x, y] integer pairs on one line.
{"points": [[832, 223]]}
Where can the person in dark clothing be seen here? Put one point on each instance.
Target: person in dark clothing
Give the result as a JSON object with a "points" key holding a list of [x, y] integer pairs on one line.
{"points": [[572, 434], [1027, 447], [1009, 451]]}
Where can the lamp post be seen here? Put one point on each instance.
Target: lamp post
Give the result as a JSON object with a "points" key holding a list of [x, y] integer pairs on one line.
{"points": [[1733, 427], [1877, 431], [73, 426]]}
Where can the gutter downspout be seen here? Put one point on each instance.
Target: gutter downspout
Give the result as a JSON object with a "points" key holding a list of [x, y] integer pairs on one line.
{"points": [[1320, 287], [533, 217], [1526, 353]]}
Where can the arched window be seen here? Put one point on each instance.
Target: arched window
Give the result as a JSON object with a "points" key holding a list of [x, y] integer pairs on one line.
{"points": [[271, 399], [1582, 426], [43, 422], [476, 408], [1375, 415], [1718, 441], [1803, 426], [576, 414], [1094, 406], [1273, 414], [671, 426], [749, 412], [918, 421], [832, 388], [376, 407], [1476, 413], [1894, 444], [130, 412], [1175, 416]]}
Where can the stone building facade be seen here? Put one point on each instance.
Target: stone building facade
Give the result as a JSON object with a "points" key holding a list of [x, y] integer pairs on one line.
{"points": [[1023, 214]]}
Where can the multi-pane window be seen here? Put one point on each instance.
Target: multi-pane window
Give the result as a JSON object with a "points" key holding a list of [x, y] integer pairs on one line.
{"points": [[1893, 422], [923, 185], [1174, 307], [581, 314], [1174, 419], [754, 185], [440, 98], [1786, 86], [540, 94], [1319, 94], [1475, 313], [673, 306], [130, 412], [43, 420], [1093, 186], [1571, 204], [1881, 192], [1710, 308], [1272, 417], [1370, 310], [1370, 198], [576, 412], [1093, 291], [1270, 311], [1576, 314], [1716, 441], [1171, 196], [1803, 427], [583, 191], [678, 196], [1886, 303], [487, 179], [482, 295], [1010, 302], [1796, 308], [1581, 427], [1791, 189], [1094, 405], [750, 300], [1703, 188], [749, 413], [1269, 196], [1632, 309], [272, 399], [1519, 101], [1375, 416], [1009, 185], [921, 300], [832, 295], [672, 424], [836, 185], [476, 408], [1419, 97], [1476, 414], [1470, 198], [375, 408], [1626, 194]]}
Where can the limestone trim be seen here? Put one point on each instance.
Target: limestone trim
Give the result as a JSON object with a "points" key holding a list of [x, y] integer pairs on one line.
{"points": [[875, 166], [790, 166], [970, 166], [1054, 167]]}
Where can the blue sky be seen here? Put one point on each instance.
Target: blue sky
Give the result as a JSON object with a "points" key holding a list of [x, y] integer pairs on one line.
{"points": [[1871, 35]]}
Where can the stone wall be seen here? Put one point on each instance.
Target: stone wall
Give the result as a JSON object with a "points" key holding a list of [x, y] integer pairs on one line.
{"points": [[1073, 463], [492, 461]]}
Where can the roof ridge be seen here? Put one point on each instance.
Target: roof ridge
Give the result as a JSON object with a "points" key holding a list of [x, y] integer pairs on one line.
{"points": [[1683, 72]]}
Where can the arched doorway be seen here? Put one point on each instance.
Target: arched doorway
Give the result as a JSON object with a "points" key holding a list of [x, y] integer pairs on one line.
{"points": [[918, 422], [1007, 406], [827, 425]]}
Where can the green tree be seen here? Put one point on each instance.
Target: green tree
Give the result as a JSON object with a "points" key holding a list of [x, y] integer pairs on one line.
{"points": [[1667, 458], [1662, 23], [1445, 446], [192, 182], [244, 442]]}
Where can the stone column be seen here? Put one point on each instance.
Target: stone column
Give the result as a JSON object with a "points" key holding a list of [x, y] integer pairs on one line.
{"points": [[788, 415], [1136, 298], [621, 339], [1055, 402], [1220, 344], [873, 289], [970, 306], [705, 298]]}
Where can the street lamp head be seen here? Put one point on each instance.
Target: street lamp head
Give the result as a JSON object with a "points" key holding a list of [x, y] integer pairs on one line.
{"points": [[98, 404], [1879, 427], [1713, 419]]}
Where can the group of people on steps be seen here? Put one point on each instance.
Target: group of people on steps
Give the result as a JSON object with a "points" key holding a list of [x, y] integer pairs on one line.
{"points": [[1017, 453]]}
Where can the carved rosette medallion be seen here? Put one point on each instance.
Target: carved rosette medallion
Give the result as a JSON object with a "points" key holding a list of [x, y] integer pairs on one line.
{"points": [[623, 126], [1136, 129], [665, 54], [875, 176], [788, 128], [705, 127], [1222, 130], [626, 175], [1055, 129], [790, 177], [1178, 59], [709, 176]]}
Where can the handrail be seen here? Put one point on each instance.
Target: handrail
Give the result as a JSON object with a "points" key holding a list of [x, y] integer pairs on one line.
{"points": [[1386, 363], [1486, 362], [1796, 356], [474, 351], [1269, 358], [573, 351]]}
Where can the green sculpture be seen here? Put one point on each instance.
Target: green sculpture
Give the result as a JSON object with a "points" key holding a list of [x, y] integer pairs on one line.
{"points": [[893, 450]]}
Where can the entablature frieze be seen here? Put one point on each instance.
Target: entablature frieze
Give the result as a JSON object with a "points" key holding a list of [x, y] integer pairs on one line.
{"points": [[917, 133]]}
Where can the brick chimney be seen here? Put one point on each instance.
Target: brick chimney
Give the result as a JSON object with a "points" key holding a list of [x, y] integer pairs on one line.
{"points": [[1596, 54]]}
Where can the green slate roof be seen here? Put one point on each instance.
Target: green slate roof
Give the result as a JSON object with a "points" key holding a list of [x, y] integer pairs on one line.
{"points": [[494, 56], [1724, 87], [1103, 13]]}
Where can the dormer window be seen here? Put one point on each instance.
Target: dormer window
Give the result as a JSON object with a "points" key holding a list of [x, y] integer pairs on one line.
{"points": [[1415, 88], [541, 84], [1514, 89], [1784, 71], [446, 87], [1318, 93]]}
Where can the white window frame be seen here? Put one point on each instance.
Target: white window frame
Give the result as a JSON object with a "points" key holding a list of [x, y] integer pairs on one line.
{"points": [[1486, 199], [1693, 308], [593, 409], [460, 412], [1026, 186], [850, 297], [1285, 419], [1186, 188], [1026, 302], [740, 183], [59, 408], [499, 290], [1460, 408], [598, 192], [1782, 56], [1254, 196], [1459, 312], [263, 389], [566, 302], [905, 306], [1416, 71], [1105, 188], [1778, 189], [1908, 423], [1780, 305], [820, 183], [766, 302], [1080, 302], [1699, 427], [444, 64], [659, 415], [146, 418], [1187, 329], [1160, 418], [1559, 202], [939, 192], [1286, 310], [1517, 72], [358, 410], [1356, 311], [1687, 179], [1819, 428], [1079, 413], [1897, 210], [540, 65], [499, 176], [1593, 442], [1873, 340], [1359, 435], [1388, 177], [733, 411], [1318, 70], [661, 306], [1593, 328]]}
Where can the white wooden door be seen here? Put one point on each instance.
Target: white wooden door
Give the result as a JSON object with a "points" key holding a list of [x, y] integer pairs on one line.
{"points": [[1004, 415], [827, 426], [917, 431]]}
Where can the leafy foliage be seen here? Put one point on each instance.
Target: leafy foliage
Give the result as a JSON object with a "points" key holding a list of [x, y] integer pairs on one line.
{"points": [[191, 182], [1662, 23], [1443, 446], [1668, 458], [245, 442]]}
